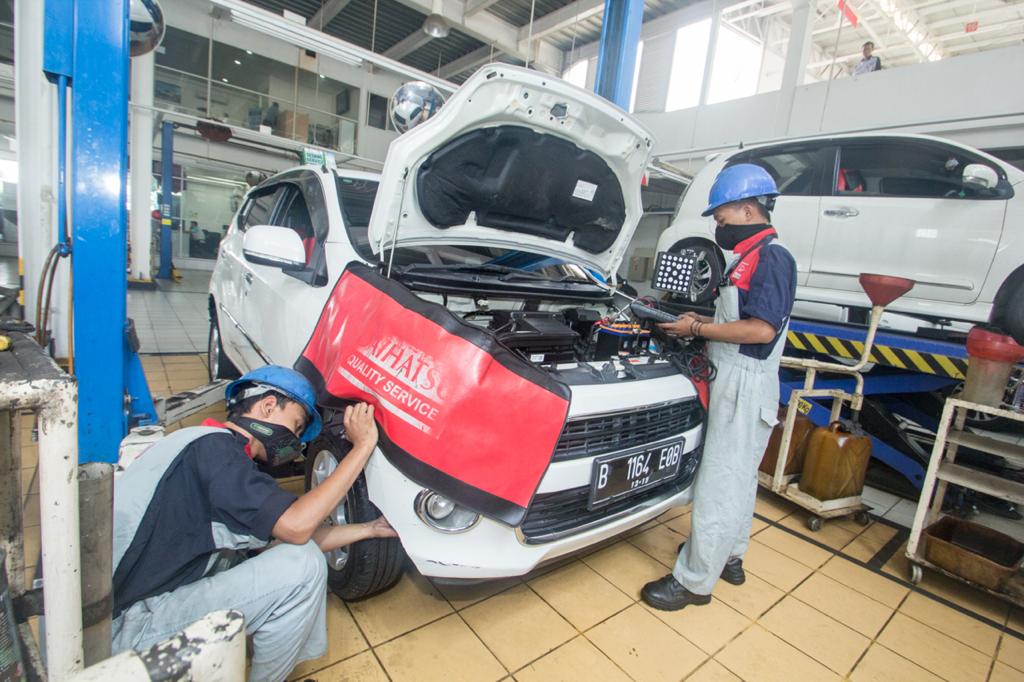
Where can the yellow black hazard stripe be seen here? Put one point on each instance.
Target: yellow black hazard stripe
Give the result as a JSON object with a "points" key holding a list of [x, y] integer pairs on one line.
{"points": [[889, 356]]}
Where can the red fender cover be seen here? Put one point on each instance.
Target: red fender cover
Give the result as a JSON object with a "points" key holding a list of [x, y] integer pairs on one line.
{"points": [[459, 413]]}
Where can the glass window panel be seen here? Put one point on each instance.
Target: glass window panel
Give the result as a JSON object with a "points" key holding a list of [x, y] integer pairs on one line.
{"points": [[736, 67], [794, 168], [179, 91], [6, 44], [688, 60], [242, 69], [184, 51], [317, 91], [577, 74], [356, 199], [377, 113]]}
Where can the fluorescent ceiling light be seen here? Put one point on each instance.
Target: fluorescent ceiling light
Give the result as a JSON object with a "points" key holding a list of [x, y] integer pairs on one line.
{"points": [[276, 26]]}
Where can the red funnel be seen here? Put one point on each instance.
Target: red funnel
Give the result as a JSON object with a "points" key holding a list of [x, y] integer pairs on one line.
{"points": [[883, 289]]}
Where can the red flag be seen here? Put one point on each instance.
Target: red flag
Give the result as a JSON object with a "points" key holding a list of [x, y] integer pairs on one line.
{"points": [[848, 12], [971, 27]]}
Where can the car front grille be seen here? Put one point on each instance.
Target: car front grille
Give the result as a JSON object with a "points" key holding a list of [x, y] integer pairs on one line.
{"points": [[556, 515], [599, 435]]}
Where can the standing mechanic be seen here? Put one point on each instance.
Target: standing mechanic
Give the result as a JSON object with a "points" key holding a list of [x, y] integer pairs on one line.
{"points": [[746, 335], [195, 499]]}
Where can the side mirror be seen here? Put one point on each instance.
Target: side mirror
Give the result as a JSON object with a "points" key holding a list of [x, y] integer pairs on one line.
{"points": [[980, 176], [277, 247]]}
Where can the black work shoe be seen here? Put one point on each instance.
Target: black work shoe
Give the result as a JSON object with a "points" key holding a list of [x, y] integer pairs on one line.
{"points": [[733, 572], [666, 594]]}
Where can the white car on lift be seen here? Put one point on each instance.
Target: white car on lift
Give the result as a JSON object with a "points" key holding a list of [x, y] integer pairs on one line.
{"points": [[499, 208], [947, 216]]}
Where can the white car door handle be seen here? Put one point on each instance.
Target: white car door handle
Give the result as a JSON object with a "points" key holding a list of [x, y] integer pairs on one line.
{"points": [[842, 212]]}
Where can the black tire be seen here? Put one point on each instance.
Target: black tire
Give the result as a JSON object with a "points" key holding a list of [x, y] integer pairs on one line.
{"points": [[369, 566], [1008, 311], [710, 269], [219, 365]]}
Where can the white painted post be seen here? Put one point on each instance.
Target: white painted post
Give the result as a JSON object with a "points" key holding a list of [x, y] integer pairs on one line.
{"points": [[797, 53], [141, 164], [58, 502]]}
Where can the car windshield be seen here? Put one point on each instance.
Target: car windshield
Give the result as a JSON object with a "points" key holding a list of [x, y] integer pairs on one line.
{"points": [[356, 197]]}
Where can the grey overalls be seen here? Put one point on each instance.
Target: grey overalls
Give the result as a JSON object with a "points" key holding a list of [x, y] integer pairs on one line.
{"points": [[742, 409]]}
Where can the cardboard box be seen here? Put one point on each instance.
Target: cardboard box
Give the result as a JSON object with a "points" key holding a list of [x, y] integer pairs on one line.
{"points": [[284, 125]]}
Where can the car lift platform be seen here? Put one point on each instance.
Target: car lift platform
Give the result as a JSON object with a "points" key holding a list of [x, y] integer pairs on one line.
{"points": [[904, 363]]}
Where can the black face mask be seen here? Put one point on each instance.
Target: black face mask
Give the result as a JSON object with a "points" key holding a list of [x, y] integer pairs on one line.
{"points": [[281, 444], [729, 236]]}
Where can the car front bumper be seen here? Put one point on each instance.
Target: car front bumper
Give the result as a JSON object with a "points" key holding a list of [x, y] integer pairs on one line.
{"points": [[491, 549]]}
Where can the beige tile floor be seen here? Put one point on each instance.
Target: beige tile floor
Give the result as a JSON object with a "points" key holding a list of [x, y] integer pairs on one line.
{"points": [[810, 610]]}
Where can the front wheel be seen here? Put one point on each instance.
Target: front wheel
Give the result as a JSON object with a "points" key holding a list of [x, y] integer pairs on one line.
{"points": [[220, 366], [363, 568]]}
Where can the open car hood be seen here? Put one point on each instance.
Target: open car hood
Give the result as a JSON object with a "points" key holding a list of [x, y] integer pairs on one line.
{"points": [[517, 160]]}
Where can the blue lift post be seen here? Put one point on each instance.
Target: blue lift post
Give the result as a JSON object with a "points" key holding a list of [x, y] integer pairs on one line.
{"points": [[616, 57], [87, 44]]}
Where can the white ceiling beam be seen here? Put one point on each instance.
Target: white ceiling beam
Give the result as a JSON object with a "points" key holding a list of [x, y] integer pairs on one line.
{"points": [[1002, 40], [474, 59], [493, 30], [1012, 11], [477, 6], [944, 6], [408, 44], [562, 18], [327, 11], [994, 28]]}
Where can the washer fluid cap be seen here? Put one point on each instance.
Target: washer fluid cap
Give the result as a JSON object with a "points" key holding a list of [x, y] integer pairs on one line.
{"points": [[990, 345]]}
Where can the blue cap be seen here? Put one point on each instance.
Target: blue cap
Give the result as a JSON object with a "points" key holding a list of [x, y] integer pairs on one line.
{"points": [[286, 381], [742, 181]]}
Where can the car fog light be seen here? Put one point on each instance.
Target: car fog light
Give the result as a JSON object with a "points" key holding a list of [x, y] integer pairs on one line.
{"points": [[442, 514], [439, 507]]}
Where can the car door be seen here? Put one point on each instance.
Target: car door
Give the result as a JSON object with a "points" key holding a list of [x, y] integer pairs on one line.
{"points": [[899, 207], [234, 272], [798, 170], [283, 307]]}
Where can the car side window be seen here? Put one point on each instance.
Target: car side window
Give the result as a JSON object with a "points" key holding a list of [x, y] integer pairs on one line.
{"points": [[295, 216], [795, 169], [889, 168], [356, 197], [259, 207]]}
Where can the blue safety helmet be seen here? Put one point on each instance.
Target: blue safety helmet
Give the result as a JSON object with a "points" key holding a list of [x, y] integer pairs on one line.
{"points": [[742, 181], [285, 381]]}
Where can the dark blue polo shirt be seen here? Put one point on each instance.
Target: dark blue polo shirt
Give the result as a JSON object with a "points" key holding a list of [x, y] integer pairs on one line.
{"points": [[766, 280], [188, 497]]}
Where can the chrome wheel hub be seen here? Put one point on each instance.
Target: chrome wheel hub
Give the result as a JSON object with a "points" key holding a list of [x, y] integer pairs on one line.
{"points": [[324, 465]]}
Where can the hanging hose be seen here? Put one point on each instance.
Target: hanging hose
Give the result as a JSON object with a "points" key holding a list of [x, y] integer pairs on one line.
{"points": [[48, 265], [63, 246]]}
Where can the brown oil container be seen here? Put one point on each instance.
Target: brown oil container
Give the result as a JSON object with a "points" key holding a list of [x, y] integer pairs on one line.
{"points": [[802, 429], [836, 463]]}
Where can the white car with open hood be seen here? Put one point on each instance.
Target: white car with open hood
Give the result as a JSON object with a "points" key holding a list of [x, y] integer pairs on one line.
{"points": [[511, 208]]}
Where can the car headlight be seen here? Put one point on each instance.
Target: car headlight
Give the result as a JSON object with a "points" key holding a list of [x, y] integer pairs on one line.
{"points": [[442, 514]]}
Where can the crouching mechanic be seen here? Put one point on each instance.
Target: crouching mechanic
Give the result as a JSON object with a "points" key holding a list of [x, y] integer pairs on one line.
{"points": [[187, 509], [746, 338]]}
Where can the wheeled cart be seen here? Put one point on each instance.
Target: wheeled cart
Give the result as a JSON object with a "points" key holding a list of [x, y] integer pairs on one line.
{"points": [[943, 469], [882, 290]]}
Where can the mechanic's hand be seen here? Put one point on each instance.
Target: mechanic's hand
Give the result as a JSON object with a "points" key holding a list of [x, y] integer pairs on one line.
{"points": [[360, 428], [684, 327], [380, 528]]}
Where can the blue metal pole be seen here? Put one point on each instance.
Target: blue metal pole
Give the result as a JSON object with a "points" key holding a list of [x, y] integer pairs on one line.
{"points": [[616, 56], [99, 104], [166, 198]]}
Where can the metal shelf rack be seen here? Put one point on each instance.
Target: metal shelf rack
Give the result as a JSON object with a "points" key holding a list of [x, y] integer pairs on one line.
{"points": [[943, 470]]}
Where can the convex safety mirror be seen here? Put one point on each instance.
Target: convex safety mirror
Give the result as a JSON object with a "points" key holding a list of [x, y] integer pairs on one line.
{"points": [[145, 27], [277, 247], [980, 176], [413, 104]]}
